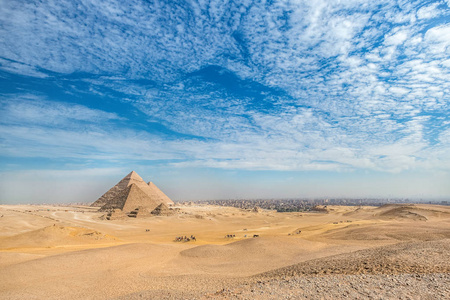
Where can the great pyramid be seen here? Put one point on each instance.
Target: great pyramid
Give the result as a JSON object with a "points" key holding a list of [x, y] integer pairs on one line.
{"points": [[132, 193], [129, 199]]}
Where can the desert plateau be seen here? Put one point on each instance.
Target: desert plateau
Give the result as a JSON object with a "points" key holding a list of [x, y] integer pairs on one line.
{"points": [[66, 252]]}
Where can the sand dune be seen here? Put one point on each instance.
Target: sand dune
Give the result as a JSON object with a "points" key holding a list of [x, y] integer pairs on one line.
{"points": [[54, 236], [252, 255], [70, 252], [401, 212], [97, 273], [389, 232]]}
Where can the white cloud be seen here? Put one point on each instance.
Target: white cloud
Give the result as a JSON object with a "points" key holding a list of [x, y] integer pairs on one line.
{"points": [[398, 90], [20, 68], [342, 81], [439, 38], [430, 11], [34, 110], [396, 39]]}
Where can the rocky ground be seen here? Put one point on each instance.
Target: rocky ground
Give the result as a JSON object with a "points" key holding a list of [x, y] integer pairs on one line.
{"points": [[412, 257], [413, 270], [402, 286], [416, 270]]}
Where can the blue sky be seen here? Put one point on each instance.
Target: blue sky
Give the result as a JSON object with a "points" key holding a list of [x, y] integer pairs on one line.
{"points": [[218, 99]]}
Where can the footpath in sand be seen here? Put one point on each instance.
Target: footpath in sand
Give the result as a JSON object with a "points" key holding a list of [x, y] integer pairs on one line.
{"points": [[57, 252]]}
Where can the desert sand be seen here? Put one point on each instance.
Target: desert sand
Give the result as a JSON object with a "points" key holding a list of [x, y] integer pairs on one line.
{"points": [[393, 251]]}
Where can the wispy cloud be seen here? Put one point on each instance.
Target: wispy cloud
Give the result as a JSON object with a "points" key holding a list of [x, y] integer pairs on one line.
{"points": [[32, 109], [305, 85]]}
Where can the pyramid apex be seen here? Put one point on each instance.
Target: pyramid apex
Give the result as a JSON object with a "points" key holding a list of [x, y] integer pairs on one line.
{"points": [[133, 175]]}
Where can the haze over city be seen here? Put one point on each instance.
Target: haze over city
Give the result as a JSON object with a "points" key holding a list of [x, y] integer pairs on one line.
{"points": [[217, 100]]}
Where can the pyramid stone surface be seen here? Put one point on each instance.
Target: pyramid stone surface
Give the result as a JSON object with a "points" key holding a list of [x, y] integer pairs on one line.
{"points": [[131, 198], [133, 178], [162, 210], [138, 199], [115, 214], [166, 200]]}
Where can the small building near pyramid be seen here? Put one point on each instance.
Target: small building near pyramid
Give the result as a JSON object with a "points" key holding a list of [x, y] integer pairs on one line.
{"points": [[133, 197]]}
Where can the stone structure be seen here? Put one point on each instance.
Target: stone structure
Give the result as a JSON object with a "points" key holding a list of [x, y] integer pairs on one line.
{"points": [[133, 197], [162, 210]]}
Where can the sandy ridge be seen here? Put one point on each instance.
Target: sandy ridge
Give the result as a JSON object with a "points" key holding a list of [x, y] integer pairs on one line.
{"points": [[411, 257]]}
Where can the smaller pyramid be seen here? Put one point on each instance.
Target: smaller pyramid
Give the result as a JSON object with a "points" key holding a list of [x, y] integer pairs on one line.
{"points": [[166, 200], [115, 214], [162, 210]]}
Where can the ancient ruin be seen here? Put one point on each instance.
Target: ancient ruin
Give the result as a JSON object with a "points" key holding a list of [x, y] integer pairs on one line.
{"points": [[133, 197]]}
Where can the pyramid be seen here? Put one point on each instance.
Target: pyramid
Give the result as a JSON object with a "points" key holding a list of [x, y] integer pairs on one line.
{"points": [[115, 214], [131, 178], [131, 198], [156, 190], [116, 195], [162, 210]]}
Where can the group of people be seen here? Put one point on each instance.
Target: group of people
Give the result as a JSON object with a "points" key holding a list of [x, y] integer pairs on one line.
{"points": [[185, 238], [296, 232]]}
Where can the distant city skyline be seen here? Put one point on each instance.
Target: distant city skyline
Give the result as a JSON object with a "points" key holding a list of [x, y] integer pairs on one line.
{"points": [[215, 100]]}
